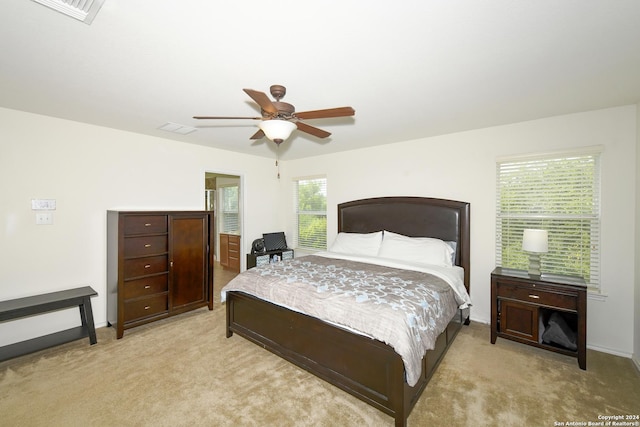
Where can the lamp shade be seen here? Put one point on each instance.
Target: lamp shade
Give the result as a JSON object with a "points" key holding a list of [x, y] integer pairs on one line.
{"points": [[535, 241], [277, 130]]}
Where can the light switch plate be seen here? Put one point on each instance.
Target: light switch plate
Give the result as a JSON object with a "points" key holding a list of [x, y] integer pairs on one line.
{"points": [[43, 204]]}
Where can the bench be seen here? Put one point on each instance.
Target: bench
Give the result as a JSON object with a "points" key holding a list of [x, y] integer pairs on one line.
{"points": [[39, 304]]}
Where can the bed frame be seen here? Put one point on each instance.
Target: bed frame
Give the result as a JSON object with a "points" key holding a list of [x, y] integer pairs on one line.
{"points": [[368, 369]]}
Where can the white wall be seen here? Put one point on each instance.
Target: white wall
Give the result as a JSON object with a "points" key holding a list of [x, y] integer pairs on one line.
{"points": [[462, 167], [636, 348], [88, 170]]}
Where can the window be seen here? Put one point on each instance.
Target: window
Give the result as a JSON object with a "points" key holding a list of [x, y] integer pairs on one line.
{"points": [[558, 193], [311, 213], [230, 217]]}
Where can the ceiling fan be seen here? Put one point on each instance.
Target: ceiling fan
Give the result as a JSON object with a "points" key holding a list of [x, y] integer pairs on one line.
{"points": [[279, 118]]}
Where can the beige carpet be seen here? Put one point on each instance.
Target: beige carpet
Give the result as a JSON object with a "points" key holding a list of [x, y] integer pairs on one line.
{"points": [[184, 372]]}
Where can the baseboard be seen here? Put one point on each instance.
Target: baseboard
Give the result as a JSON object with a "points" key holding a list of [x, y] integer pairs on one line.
{"points": [[613, 352], [610, 351], [480, 320]]}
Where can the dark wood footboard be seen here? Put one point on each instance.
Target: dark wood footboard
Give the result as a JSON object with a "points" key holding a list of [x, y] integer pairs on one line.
{"points": [[366, 368]]}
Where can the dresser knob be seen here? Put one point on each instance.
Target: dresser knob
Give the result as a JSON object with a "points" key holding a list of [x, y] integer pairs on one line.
{"points": [[147, 287], [146, 307], [148, 245], [147, 266], [534, 296], [148, 224]]}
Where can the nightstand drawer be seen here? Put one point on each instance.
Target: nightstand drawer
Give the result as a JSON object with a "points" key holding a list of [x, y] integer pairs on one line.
{"points": [[537, 296]]}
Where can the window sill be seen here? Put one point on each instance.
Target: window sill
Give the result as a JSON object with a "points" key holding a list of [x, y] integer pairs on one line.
{"points": [[300, 252], [596, 295]]}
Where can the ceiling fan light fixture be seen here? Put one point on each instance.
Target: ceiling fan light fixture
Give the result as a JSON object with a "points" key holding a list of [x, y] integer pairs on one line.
{"points": [[277, 130]]}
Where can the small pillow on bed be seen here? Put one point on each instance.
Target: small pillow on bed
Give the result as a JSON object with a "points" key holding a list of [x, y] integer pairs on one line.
{"points": [[357, 243], [423, 250]]}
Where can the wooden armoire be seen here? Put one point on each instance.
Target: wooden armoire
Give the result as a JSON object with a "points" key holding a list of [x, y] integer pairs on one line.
{"points": [[159, 264]]}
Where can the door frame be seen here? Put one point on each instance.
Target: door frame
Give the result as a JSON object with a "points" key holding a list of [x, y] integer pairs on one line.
{"points": [[241, 202]]}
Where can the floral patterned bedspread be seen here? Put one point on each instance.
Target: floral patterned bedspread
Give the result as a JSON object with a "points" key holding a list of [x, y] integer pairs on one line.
{"points": [[403, 308]]}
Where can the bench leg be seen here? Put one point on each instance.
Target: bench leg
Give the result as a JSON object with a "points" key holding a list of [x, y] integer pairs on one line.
{"points": [[86, 315]]}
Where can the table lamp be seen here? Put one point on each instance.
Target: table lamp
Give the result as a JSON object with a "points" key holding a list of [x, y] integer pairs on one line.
{"points": [[535, 242]]}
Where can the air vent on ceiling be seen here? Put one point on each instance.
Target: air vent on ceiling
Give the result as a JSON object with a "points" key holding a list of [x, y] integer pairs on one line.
{"points": [[177, 128], [82, 10]]}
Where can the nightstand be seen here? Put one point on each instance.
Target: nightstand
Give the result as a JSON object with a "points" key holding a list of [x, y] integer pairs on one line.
{"points": [[267, 257], [547, 311]]}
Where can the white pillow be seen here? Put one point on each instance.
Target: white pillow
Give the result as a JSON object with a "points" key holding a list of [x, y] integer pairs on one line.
{"points": [[357, 243], [423, 250]]}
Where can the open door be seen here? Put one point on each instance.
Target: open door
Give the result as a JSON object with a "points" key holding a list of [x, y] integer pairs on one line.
{"points": [[223, 196]]}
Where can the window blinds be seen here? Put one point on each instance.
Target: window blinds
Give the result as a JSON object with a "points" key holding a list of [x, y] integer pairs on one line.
{"points": [[311, 213], [230, 215], [560, 194]]}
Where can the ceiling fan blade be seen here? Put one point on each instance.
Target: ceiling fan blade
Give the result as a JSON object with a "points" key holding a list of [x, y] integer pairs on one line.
{"points": [[225, 117], [258, 135], [324, 114], [312, 130], [263, 100]]}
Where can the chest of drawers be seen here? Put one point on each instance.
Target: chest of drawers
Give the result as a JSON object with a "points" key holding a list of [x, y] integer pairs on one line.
{"points": [[230, 251], [158, 265]]}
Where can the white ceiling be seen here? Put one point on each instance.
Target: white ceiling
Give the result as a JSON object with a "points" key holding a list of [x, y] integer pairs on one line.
{"points": [[411, 69]]}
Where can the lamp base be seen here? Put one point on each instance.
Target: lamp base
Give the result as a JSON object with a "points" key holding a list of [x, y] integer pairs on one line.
{"points": [[534, 264]]}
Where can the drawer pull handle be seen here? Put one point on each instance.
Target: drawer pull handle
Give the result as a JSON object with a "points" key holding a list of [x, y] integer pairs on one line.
{"points": [[147, 286], [146, 307], [147, 266], [148, 245], [148, 224], [534, 296]]}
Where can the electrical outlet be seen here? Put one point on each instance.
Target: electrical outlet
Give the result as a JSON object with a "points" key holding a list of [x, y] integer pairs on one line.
{"points": [[44, 218]]}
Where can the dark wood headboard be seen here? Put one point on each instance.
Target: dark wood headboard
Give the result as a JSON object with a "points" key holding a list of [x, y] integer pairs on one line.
{"points": [[447, 220]]}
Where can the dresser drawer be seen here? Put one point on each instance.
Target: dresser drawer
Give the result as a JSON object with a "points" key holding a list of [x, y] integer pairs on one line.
{"points": [[144, 266], [145, 287], [262, 260], [537, 296], [234, 246], [234, 262], [145, 307], [145, 245], [145, 224]]}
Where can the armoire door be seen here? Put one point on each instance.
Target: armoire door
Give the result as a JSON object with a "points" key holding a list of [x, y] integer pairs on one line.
{"points": [[189, 236]]}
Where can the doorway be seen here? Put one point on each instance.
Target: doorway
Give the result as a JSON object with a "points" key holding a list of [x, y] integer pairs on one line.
{"points": [[223, 196]]}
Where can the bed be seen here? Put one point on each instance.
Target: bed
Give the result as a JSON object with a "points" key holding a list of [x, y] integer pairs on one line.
{"points": [[359, 364]]}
